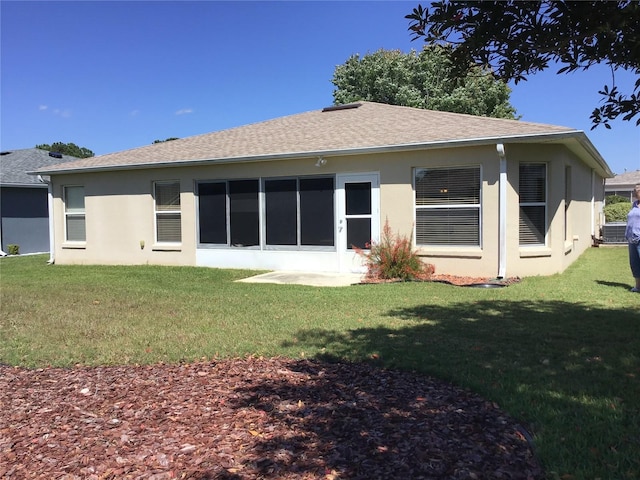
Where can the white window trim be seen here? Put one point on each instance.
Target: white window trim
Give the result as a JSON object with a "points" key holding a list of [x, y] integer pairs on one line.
{"points": [[158, 244], [470, 250], [73, 243], [538, 247]]}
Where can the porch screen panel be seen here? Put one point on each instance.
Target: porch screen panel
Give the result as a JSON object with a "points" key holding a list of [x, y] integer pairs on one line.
{"points": [[317, 211], [533, 207], [358, 233], [244, 213], [212, 212], [281, 198], [448, 206]]}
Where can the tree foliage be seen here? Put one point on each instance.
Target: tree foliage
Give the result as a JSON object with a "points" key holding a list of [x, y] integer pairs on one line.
{"points": [[424, 79], [516, 39], [613, 199], [70, 149], [616, 212]]}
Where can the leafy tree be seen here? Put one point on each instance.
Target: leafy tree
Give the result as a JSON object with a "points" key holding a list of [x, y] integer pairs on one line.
{"points": [[166, 140], [67, 149], [516, 39], [424, 79]]}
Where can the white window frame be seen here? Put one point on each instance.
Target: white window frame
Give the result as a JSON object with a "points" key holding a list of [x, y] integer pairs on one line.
{"points": [[159, 212], [74, 213], [449, 207], [543, 204]]}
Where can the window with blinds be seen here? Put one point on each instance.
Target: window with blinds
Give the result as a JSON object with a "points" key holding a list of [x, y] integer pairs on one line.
{"points": [[168, 212], [448, 206], [75, 229], [533, 204]]}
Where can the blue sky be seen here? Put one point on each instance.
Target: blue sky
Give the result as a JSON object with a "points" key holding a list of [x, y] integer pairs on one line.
{"points": [[111, 76]]}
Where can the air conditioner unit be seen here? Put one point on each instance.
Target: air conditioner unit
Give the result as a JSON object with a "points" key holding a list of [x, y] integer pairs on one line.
{"points": [[613, 233]]}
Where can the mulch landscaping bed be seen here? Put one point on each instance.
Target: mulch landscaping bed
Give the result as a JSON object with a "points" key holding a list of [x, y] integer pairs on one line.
{"points": [[251, 418]]}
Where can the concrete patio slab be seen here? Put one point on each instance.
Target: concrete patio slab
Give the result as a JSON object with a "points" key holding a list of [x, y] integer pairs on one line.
{"points": [[307, 278]]}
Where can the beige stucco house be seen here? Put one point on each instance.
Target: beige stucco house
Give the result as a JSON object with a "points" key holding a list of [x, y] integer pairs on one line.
{"points": [[479, 196]]}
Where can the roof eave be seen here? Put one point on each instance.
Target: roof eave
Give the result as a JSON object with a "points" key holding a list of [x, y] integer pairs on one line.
{"points": [[564, 137]]}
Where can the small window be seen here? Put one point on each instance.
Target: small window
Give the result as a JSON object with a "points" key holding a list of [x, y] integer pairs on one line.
{"points": [[533, 204], [448, 206], [168, 212], [75, 228]]}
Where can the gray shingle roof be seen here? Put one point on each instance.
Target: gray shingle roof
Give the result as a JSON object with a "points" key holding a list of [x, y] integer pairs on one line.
{"points": [[627, 178], [369, 127], [15, 164]]}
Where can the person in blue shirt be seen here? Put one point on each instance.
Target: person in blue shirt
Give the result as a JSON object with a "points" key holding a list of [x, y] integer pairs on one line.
{"points": [[632, 235]]}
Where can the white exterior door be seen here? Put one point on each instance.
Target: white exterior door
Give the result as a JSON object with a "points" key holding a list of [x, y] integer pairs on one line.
{"points": [[358, 217]]}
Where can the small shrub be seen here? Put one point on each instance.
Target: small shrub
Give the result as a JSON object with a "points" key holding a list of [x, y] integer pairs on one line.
{"points": [[393, 258], [616, 212], [613, 199], [13, 249]]}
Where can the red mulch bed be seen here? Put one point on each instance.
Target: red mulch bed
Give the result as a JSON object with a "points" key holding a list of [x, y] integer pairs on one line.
{"points": [[252, 418], [457, 280]]}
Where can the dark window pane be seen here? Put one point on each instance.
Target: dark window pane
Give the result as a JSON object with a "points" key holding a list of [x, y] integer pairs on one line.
{"points": [[358, 232], [282, 211], [212, 200], [532, 225], [533, 182], [358, 198], [316, 211], [244, 213]]}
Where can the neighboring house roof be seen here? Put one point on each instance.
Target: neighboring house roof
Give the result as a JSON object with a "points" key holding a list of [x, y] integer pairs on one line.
{"points": [[624, 179], [15, 164], [363, 127]]}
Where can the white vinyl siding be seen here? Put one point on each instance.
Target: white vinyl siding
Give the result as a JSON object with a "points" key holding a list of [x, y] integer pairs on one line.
{"points": [[533, 204], [74, 211], [168, 212], [448, 206]]}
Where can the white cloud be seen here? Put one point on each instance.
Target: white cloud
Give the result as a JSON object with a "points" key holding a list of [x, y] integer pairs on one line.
{"points": [[42, 107], [62, 113], [184, 111], [134, 113]]}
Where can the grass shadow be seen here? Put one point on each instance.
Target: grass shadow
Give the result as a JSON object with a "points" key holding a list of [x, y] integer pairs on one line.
{"points": [[570, 371]]}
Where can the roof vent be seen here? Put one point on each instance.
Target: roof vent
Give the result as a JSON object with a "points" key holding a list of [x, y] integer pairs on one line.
{"points": [[347, 106], [55, 154]]}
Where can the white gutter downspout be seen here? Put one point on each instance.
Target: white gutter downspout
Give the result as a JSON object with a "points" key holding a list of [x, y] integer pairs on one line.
{"points": [[52, 244], [502, 213]]}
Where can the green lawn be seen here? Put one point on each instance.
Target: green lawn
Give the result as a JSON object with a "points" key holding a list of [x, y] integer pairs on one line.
{"points": [[561, 354]]}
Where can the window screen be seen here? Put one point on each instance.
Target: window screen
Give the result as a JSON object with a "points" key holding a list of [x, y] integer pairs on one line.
{"points": [[281, 208], [212, 212], [244, 215], [448, 206], [317, 211]]}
